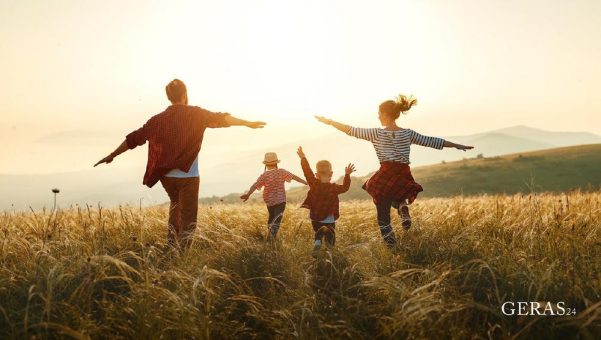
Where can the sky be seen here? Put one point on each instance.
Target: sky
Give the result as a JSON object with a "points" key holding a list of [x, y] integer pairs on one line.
{"points": [[77, 76]]}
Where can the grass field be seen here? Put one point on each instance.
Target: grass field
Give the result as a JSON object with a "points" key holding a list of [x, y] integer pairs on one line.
{"points": [[95, 273]]}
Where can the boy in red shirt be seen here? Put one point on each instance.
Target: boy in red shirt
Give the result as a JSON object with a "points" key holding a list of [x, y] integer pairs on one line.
{"points": [[322, 198]]}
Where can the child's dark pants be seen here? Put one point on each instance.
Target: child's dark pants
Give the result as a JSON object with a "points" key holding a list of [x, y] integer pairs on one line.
{"points": [[383, 208], [326, 231], [276, 212]]}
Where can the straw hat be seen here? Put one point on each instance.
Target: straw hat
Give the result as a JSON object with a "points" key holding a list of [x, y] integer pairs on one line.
{"points": [[271, 158]]}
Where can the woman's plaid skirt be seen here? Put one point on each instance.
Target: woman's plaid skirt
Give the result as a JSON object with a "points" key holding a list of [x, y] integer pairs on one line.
{"points": [[393, 181]]}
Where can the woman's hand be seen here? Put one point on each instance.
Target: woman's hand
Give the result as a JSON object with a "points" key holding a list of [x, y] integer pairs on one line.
{"points": [[300, 152], [324, 120], [338, 126], [244, 197], [449, 144], [350, 168], [463, 147]]}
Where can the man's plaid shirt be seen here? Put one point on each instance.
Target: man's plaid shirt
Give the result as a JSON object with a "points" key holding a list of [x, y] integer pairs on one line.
{"points": [[175, 137]]}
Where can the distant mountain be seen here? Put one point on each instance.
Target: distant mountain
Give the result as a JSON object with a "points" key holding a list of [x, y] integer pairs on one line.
{"points": [[550, 137], [497, 143], [224, 171], [557, 170], [503, 141]]}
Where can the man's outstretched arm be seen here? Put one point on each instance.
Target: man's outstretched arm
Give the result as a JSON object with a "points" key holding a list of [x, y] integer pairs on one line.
{"points": [[119, 150], [233, 121]]}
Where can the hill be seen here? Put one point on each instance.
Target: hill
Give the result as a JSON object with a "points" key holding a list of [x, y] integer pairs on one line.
{"points": [[554, 170], [225, 168]]}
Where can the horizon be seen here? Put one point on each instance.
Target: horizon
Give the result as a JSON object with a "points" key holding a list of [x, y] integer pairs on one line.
{"points": [[138, 165], [116, 185]]}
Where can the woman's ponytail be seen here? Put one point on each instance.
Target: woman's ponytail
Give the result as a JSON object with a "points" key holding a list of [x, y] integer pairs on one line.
{"points": [[404, 103], [394, 108]]}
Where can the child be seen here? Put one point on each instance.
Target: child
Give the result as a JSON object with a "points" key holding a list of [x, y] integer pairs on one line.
{"points": [[393, 185], [274, 194], [322, 198]]}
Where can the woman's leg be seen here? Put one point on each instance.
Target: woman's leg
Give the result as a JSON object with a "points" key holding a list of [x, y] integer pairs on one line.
{"points": [[383, 209], [403, 209]]}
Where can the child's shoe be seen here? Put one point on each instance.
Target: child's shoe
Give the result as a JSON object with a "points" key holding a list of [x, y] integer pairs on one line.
{"points": [[316, 248]]}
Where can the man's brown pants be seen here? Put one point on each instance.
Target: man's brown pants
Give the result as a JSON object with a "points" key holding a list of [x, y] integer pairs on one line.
{"points": [[183, 194]]}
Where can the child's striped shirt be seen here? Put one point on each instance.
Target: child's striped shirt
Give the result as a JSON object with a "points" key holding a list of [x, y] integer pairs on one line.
{"points": [[395, 145], [273, 181]]}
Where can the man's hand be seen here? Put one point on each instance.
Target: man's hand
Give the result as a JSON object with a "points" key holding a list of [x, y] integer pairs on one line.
{"points": [[464, 147], [300, 152], [350, 168], [324, 120], [106, 160], [244, 197], [120, 149], [256, 125]]}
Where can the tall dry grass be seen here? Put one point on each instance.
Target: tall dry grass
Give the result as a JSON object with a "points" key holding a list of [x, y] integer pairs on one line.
{"points": [[96, 273]]}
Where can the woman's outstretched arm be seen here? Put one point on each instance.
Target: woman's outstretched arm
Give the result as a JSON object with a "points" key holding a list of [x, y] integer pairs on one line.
{"points": [[339, 126], [435, 142], [449, 144]]}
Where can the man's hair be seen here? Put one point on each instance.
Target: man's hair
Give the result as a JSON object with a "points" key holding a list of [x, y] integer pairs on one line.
{"points": [[176, 90], [323, 166]]}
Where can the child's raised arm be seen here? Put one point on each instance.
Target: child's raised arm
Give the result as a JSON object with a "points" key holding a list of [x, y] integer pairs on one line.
{"points": [[346, 183], [311, 180]]}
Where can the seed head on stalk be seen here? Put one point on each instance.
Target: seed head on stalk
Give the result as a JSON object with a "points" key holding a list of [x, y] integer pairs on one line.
{"points": [[55, 191]]}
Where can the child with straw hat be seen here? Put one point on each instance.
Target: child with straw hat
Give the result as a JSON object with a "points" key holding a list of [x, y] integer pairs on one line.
{"points": [[274, 194]]}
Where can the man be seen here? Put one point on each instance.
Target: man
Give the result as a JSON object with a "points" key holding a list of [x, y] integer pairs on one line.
{"points": [[175, 137]]}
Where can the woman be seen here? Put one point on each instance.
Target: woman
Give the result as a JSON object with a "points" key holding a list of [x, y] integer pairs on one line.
{"points": [[393, 185]]}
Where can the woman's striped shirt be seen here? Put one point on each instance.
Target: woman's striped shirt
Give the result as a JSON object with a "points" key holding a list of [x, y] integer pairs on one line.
{"points": [[395, 145]]}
